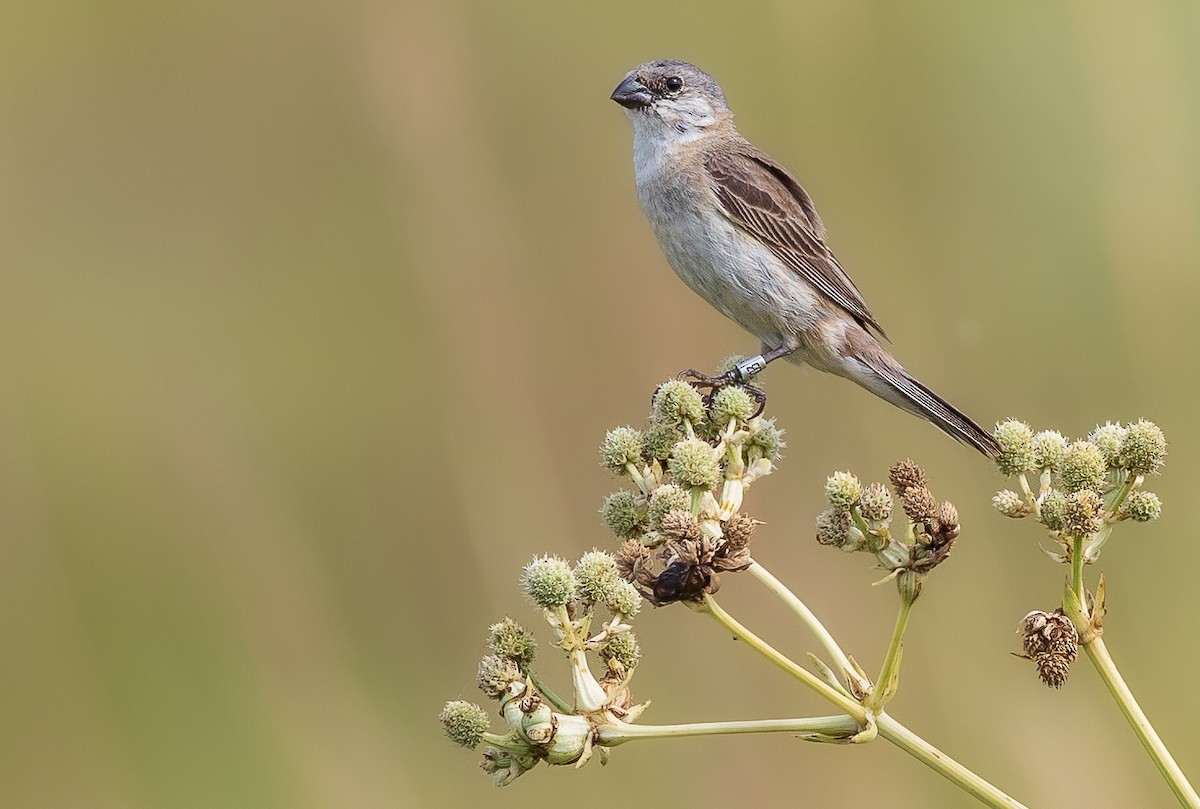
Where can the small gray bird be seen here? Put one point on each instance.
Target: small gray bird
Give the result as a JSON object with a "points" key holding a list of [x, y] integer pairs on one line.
{"points": [[741, 232]]}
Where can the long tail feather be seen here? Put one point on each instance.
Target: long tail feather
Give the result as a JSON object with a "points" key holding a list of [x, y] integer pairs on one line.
{"points": [[912, 395]]}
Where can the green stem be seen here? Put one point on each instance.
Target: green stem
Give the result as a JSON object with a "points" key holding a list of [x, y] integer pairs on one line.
{"points": [[612, 734], [805, 615], [554, 699], [1141, 725], [943, 765], [884, 687], [843, 702], [888, 727]]}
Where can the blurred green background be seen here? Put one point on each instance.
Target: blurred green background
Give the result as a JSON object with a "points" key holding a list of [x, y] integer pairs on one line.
{"points": [[313, 315]]}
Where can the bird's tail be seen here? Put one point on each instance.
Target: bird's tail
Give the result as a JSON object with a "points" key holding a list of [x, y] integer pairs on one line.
{"points": [[901, 388]]}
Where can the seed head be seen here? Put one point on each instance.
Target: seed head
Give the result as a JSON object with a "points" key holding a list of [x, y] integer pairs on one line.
{"points": [[842, 490], [876, 503], [464, 722], [1054, 510], [680, 524], [919, 504], [906, 475], [622, 445], [676, 401], [732, 402], [833, 527], [1010, 504], [511, 640], [622, 649], [596, 576], [1083, 467], [1142, 506], [622, 514], [766, 439], [694, 464], [1144, 448], [664, 500], [1016, 447], [1108, 438], [496, 674], [549, 582], [1083, 513], [1049, 446]]}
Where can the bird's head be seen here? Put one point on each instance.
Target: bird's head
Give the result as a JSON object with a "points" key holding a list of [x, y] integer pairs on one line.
{"points": [[669, 95]]}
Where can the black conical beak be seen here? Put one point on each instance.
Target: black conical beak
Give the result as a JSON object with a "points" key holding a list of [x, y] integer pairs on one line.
{"points": [[631, 94]]}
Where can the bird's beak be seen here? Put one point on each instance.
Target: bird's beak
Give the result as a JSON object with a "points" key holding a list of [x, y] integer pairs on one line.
{"points": [[631, 94]]}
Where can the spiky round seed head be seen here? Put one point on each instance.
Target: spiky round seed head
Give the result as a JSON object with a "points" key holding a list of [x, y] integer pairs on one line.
{"points": [[496, 674], [464, 723], [833, 527], [1052, 643], [631, 557], [622, 649], [1010, 504], [622, 445], [680, 524], [842, 490], [1142, 506], [675, 401], [1054, 510], [513, 641], [1083, 467], [1082, 513], [623, 599], [1016, 447], [919, 504], [1144, 448], [660, 438], [876, 503], [622, 514], [549, 582], [1108, 438], [732, 402], [738, 529], [694, 464], [596, 575], [906, 475], [663, 501], [766, 438], [1049, 446]]}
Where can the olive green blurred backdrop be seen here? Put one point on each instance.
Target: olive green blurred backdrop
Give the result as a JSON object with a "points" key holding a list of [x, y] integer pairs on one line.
{"points": [[312, 316]]}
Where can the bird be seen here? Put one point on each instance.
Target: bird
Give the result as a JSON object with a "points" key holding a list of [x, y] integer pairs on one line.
{"points": [[740, 230]]}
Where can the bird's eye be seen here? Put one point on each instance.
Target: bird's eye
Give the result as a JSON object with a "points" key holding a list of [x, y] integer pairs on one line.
{"points": [[674, 83]]}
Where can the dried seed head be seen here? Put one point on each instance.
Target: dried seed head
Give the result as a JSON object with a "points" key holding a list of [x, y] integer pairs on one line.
{"points": [[947, 518], [1083, 513], [833, 528], [680, 524], [738, 530], [496, 674], [1010, 504], [1144, 448], [919, 504], [634, 562], [1051, 642], [906, 475]]}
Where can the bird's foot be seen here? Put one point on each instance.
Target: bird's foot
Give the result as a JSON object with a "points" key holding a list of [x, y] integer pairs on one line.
{"points": [[737, 375]]}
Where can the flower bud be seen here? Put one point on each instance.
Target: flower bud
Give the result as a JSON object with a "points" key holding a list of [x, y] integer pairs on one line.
{"points": [[732, 402], [622, 514], [622, 445], [510, 640], [1144, 448], [1016, 447], [549, 582], [1010, 504], [1049, 446], [842, 490], [676, 401], [1142, 506], [464, 722], [1082, 513], [1108, 439], [876, 503], [1083, 467], [663, 501], [694, 464]]}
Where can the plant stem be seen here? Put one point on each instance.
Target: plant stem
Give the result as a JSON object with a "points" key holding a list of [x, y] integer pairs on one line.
{"points": [[943, 765], [1141, 725], [614, 733], [884, 687], [888, 727], [806, 616]]}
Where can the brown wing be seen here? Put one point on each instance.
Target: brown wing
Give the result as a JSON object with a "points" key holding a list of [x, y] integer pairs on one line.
{"points": [[762, 198]]}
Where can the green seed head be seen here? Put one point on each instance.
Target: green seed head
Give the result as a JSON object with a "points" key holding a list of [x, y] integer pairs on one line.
{"points": [[1016, 447], [664, 500], [1049, 446], [622, 514], [676, 401], [732, 402], [596, 576], [1010, 504], [621, 446], [623, 599], [1144, 448], [842, 490], [660, 438], [496, 674], [1054, 509], [694, 464], [1142, 506], [464, 722], [549, 582], [1108, 438], [623, 649], [1083, 467], [511, 640], [766, 438]]}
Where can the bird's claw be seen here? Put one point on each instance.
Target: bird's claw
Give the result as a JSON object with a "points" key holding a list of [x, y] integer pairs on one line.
{"points": [[737, 375]]}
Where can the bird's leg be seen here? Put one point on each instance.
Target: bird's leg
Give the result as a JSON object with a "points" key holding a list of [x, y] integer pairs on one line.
{"points": [[737, 375]]}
